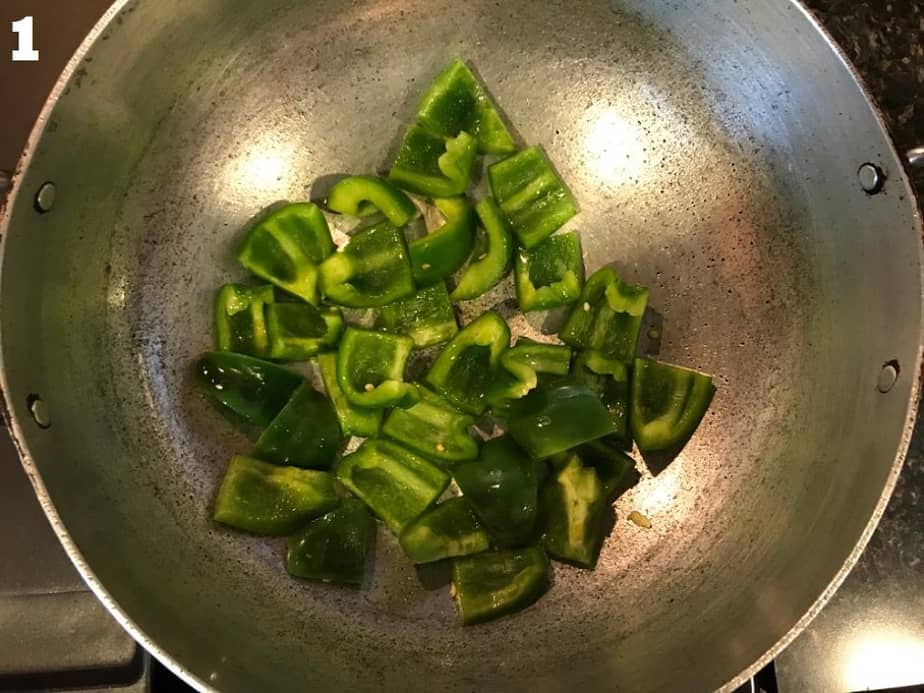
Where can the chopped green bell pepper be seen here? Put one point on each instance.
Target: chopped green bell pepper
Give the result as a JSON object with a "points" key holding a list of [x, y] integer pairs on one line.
{"points": [[440, 253], [557, 417], [668, 402], [491, 263], [395, 483], [456, 101], [263, 498], [520, 369], [333, 547], [607, 317], [433, 165], [370, 367], [361, 196], [255, 390], [550, 274], [614, 467], [433, 428], [354, 421], [551, 359], [531, 195], [240, 325], [298, 331], [464, 370], [446, 530], [372, 270], [609, 378], [286, 246], [496, 583], [573, 514], [501, 488], [427, 317], [304, 434]]}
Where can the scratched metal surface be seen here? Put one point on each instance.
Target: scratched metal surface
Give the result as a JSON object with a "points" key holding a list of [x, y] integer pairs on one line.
{"points": [[713, 149]]}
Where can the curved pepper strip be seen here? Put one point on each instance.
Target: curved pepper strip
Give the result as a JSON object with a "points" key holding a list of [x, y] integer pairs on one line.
{"points": [[240, 322], [427, 317], [333, 547], [464, 370], [370, 368], [440, 253], [295, 334], [304, 434], [446, 530], [550, 274], [609, 378], [521, 366], [285, 247], [573, 510], [361, 196], [432, 428], [432, 165], [496, 583], [489, 266], [354, 421]]}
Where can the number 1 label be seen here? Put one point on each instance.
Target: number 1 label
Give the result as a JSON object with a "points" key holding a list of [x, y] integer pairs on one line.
{"points": [[24, 52]]}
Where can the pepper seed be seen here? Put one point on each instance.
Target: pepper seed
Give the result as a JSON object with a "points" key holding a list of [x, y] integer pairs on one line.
{"points": [[586, 307], [369, 387], [636, 518], [440, 447], [426, 266]]}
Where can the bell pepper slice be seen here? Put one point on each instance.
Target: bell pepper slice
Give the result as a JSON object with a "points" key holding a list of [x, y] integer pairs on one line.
{"points": [[668, 402], [496, 583], [521, 367], [456, 101], [614, 467], [433, 428], [255, 390], [298, 331], [304, 434], [333, 547], [370, 367], [464, 370], [263, 498], [240, 324], [446, 530], [609, 378], [551, 359], [491, 262], [501, 488], [427, 316], [440, 253], [550, 274], [557, 417], [354, 421], [394, 482], [372, 270], [531, 195], [285, 247], [433, 165], [608, 316], [362, 196], [573, 509]]}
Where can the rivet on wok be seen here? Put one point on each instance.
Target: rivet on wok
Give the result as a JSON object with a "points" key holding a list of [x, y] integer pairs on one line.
{"points": [[871, 178], [887, 376], [45, 197], [39, 411]]}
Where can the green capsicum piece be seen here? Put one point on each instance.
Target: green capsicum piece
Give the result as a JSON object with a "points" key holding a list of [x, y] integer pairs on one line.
{"points": [[550, 274], [531, 194], [354, 421], [607, 317], [573, 508], [557, 417], [286, 246], [427, 316], [550, 359], [463, 371], [456, 101], [333, 547], [267, 499], [446, 530], [614, 467], [501, 488], [521, 367], [255, 390], [496, 583], [609, 378], [372, 270], [668, 402], [433, 428], [490, 263], [304, 434], [432, 165], [298, 331], [361, 196], [240, 324], [370, 367], [394, 482], [440, 253]]}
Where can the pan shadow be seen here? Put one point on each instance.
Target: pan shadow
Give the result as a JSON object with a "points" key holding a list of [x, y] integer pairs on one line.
{"points": [[434, 576]]}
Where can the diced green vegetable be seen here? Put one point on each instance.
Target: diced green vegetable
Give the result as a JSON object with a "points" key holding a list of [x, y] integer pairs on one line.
{"points": [[240, 325], [304, 434], [609, 378], [551, 359], [427, 316], [491, 263], [531, 195], [433, 165], [433, 428], [361, 196], [354, 421], [395, 483], [441, 252], [573, 512], [267, 499], [295, 335], [446, 530], [614, 467], [521, 367], [370, 367], [550, 274], [333, 547], [496, 583]]}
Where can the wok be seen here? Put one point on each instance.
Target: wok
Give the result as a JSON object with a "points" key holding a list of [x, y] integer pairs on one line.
{"points": [[714, 148]]}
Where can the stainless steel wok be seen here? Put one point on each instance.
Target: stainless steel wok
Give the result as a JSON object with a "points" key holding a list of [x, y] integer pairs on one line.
{"points": [[714, 147]]}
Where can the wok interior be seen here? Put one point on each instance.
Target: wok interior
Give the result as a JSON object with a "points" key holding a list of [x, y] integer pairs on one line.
{"points": [[713, 149]]}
